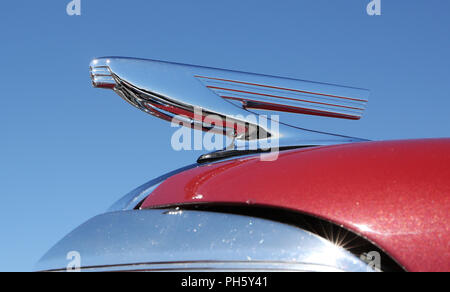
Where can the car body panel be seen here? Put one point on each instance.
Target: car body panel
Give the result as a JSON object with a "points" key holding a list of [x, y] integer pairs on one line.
{"points": [[394, 193]]}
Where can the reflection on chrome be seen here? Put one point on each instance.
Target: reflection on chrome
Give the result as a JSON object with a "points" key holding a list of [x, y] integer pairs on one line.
{"points": [[173, 92], [196, 240], [131, 200]]}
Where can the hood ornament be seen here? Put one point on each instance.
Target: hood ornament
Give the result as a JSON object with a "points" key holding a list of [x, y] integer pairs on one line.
{"points": [[178, 92]]}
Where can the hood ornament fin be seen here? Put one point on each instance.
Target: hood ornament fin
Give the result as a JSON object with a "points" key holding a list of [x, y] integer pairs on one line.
{"points": [[189, 94]]}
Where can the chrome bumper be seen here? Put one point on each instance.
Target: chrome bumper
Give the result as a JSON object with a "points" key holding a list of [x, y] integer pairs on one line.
{"points": [[176, 240]]}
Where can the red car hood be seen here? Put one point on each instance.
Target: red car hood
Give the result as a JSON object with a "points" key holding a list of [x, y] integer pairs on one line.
{"points": [[394, 193]]}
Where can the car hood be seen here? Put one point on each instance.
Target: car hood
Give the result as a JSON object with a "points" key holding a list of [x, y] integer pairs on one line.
{"points": [[394, 193]]}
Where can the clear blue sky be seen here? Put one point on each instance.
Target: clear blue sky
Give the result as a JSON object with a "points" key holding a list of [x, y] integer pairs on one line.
{"points": [[68, 151]]}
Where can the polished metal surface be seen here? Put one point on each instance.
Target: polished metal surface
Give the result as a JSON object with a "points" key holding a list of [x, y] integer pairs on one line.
{"points": [[131, 200], [193, 240], [260, 96], [221, 100]]}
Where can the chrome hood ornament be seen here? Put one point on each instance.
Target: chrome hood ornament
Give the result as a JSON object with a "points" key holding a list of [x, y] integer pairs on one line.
{"points": [[178, 92]]}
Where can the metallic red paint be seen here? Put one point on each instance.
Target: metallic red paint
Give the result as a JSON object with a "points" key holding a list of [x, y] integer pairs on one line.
{"points": [[395, 193]]}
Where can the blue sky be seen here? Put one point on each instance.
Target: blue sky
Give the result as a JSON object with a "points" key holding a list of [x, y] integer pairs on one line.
{"points": [[68, 151]]}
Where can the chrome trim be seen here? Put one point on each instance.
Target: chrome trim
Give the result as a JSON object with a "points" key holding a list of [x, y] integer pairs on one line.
{"points": [[102, 77], [217, 266], [131, 200], [253, 94], [196, 240], [177, 92]]}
